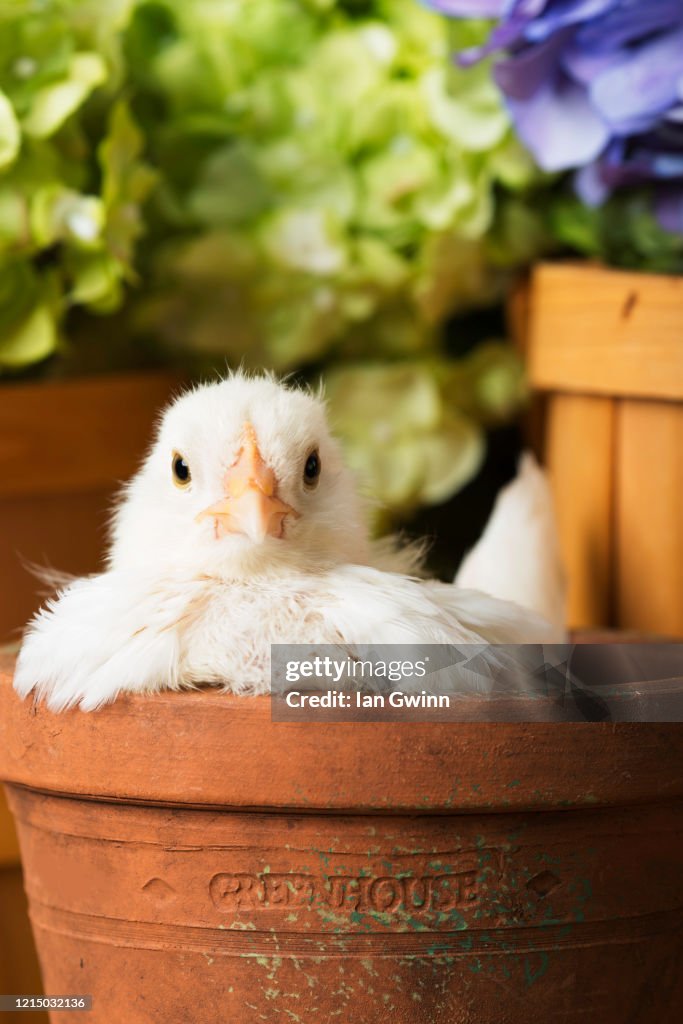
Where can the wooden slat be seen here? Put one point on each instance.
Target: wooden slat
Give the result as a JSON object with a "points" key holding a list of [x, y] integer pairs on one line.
{"points": [[579, 447], [57, 437], [606, 332], [518, 321], [650, 517]]}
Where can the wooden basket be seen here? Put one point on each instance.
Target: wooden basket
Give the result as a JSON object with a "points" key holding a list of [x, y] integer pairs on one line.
{"points": [[605, 348]]}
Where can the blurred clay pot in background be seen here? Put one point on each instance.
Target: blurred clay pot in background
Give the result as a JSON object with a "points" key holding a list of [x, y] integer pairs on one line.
{"points": [[65, 448], [187, 859]]}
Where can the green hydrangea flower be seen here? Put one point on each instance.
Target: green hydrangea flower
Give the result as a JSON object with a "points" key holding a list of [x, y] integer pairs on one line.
{"points": [[413, 431], [332, 150], [72, 177], [297, 184]]}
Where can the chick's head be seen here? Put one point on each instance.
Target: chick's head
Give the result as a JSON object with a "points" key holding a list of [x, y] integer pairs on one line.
{"points": [[244, 478]]}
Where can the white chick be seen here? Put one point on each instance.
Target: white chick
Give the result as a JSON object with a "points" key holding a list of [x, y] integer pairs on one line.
{"points": [[242, 528]]}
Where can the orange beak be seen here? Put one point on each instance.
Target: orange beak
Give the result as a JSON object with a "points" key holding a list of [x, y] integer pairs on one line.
{"points": [[250, 505]]}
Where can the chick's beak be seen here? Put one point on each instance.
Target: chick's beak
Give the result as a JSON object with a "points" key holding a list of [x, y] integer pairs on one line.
{"points": [[250, 504]]}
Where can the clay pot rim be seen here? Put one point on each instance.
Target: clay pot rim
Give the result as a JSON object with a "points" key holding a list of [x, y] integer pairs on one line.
{"points": [[210, 750]]}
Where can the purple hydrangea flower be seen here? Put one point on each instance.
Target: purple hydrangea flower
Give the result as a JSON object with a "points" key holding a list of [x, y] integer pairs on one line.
{"points": [[595, 86]]}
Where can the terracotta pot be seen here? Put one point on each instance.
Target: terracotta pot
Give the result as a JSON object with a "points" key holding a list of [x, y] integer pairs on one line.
{"points": [[188, 860], [60, 465], [605, 350]]}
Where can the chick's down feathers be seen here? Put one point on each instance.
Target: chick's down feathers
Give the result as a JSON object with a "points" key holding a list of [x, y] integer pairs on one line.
{"points": [[243, 528]]}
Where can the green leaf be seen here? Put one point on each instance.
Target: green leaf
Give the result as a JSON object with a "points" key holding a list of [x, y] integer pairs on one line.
{"points": [[230, 189], [496, 382], [33, 339], [126, 183], [407, 444], [466, 107], [59, 214], [10, 132], [393, 474], [19, 292], [96, 281], [451, 458], [13, 226], [400, 398], [307, 240], [53, 104]]}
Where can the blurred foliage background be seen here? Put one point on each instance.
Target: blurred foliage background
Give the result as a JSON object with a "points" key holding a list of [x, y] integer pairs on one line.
{"points": [[307, 185]]}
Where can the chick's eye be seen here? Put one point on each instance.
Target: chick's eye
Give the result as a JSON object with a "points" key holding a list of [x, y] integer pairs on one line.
{"points": [[181, 471], [312, 469]]}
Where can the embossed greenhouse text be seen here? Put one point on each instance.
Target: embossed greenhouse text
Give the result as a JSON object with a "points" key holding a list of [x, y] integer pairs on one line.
{"points": [[384, 894]]}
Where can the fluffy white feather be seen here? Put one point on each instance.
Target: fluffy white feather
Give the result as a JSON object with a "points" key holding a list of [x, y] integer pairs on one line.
{"points": [[518, 556], [190, 597]]}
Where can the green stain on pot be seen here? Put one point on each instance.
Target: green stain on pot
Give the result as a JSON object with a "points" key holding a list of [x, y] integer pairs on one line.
{"points": [[549, 918], [531, 974], [506, 947], [437, 948], [483, 859], [338, 921], [414, 925], [271, 965], [438, 865], [452, 796], [514, 783], [583, 890], [369, 967], [515, 836], [454, 918]]}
